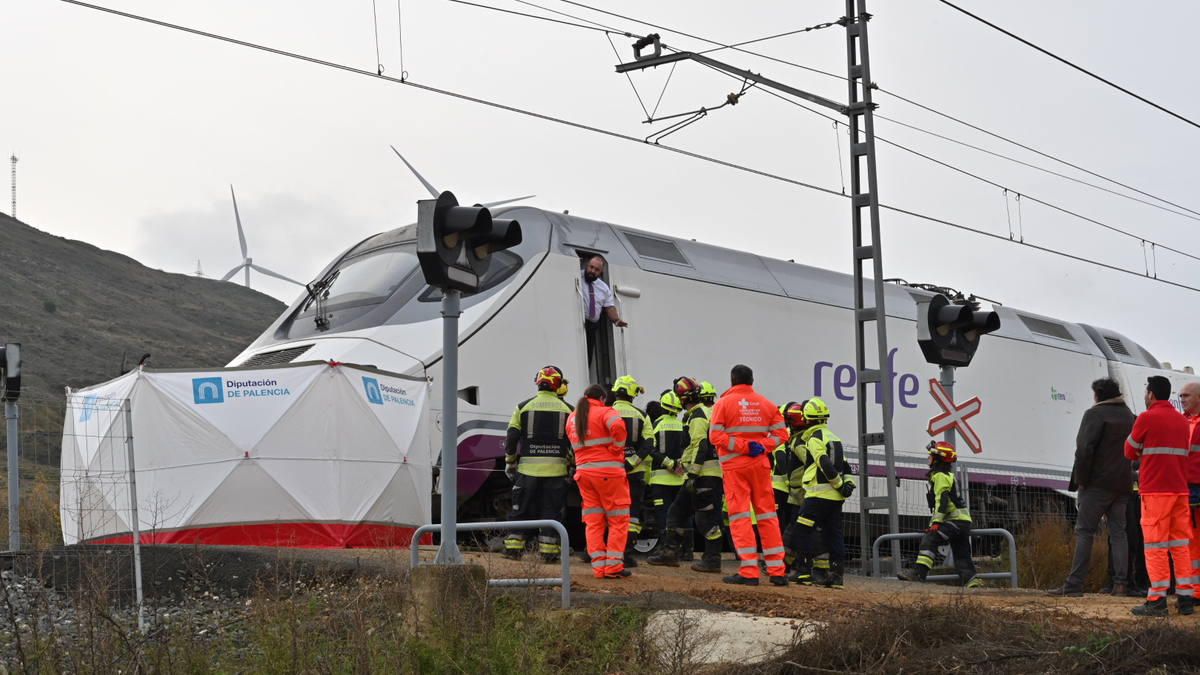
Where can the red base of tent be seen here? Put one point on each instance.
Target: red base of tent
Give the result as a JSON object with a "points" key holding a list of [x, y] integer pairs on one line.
{"points": [[285, 535]]}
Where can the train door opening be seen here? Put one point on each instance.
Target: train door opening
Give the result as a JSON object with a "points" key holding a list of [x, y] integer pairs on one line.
{"points": [[598, 335]]}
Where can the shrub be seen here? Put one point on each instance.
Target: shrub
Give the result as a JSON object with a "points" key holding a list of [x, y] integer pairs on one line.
{"points": [[49, 306]]}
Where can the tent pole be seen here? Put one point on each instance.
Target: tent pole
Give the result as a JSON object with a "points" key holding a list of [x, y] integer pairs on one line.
{"points": [[448, 553], [133, 507]]}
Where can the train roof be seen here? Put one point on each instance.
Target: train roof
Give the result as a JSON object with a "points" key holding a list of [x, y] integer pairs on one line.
{"points": [[680, 257]]}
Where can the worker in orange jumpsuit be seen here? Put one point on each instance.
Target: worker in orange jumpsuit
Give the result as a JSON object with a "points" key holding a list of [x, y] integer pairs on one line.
{"points": [[1161, 440], [1189, 396], [745, 429], [597, 435]]}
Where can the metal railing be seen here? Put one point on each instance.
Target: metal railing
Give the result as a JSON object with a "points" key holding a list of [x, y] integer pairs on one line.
{"points": [[564, 580], [1011, 575]]}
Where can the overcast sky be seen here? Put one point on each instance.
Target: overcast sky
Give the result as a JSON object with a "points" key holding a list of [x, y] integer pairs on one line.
{"points": [[130, 135]]}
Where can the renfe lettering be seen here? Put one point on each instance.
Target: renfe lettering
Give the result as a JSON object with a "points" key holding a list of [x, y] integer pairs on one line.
{"points": [[844, 378]]}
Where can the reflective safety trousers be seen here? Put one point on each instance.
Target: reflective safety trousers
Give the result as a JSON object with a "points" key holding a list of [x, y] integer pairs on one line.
{"points": [[605, 494], [748, 492], [538, 428], [1167, 530]]}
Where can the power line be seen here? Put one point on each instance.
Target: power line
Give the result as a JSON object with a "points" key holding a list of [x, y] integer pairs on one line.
{"points": [[598, 130], [544, 18], [898, 97], [947, 165], [1081, 69]]}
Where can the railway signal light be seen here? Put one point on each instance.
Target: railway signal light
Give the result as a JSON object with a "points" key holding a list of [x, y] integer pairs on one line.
{"points": [[949, 333], [455, 243], [10, 372]]}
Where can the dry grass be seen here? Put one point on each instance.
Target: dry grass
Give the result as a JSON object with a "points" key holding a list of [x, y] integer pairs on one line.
{"points": [[967, 637], [1046, 547]]}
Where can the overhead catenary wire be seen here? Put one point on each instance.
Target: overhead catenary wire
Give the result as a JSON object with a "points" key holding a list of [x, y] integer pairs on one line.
{"points": [[601, 131], [947, 165], [400, 34], [1060, 59], [896, 96]]}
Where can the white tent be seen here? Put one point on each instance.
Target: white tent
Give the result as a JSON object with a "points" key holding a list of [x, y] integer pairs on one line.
{"points": [[311, 455]]}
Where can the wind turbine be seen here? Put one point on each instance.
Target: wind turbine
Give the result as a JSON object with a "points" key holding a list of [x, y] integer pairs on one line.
{"points": [[248, 262], [433, 191]]}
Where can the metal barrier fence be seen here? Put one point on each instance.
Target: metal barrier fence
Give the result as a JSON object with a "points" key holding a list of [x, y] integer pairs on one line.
{"points": [[1011, 575], [96, 494], [564, 559], [1006, 498]]}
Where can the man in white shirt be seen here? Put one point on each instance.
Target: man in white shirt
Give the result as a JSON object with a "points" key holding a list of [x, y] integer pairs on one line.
{"points": [[597, 299]]}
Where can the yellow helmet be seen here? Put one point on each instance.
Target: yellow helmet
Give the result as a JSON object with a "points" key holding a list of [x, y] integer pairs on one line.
{"points": [[708, 393], [629, 386], [815, 410], [670, 402]]}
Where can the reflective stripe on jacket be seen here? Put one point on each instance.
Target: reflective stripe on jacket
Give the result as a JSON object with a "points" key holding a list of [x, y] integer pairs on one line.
{"points": [[639, 437], [742, 417], [538, 429], [700, 458], [603, 442], [670, 440], [823, 472], [944, 498], [1161, 440]]}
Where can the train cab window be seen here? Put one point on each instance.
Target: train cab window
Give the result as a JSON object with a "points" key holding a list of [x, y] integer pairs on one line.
{"points": [[368, 280]]}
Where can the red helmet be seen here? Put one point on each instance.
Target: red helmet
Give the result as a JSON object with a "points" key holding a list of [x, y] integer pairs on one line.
{"points": [[687, 389], [549, 378], [794, 413], [942, 450]]}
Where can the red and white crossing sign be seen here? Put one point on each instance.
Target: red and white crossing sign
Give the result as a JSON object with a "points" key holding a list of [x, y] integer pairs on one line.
{"points": [[955, 416]]}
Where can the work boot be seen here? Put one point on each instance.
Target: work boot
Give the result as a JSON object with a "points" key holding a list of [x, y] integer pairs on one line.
{"points": [[670, 553], [585, 556], [630, 543], [975, 582], [820, 571], [834, 578], [915, 573], [739, 580], [552, 559], [711, 560], [779, 581], [623, 574], [1118, 590], [513, 554], [1156, 608], [689, 546], [802, 573], [1065, 592], [1185, 604]]}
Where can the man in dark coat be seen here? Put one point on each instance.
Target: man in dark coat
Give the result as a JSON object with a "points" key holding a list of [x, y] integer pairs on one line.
{"points": [[1104, 480]]}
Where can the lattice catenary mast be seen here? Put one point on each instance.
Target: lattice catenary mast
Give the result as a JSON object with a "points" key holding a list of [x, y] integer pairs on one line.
{"points": [[14, 159]]}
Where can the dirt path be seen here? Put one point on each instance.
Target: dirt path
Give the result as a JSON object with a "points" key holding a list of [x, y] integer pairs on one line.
{"points": [[806, 602]]}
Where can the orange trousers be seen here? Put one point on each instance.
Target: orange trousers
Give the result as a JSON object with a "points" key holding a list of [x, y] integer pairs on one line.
{"points": [[1194, 548], [1167, 529], [605, 494], [749, 488]]}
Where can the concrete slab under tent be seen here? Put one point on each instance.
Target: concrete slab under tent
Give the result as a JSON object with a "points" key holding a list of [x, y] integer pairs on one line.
{"points": [[306, 455]]}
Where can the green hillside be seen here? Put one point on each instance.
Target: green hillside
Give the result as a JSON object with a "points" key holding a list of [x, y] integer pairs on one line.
{"points": [[75, 308]]}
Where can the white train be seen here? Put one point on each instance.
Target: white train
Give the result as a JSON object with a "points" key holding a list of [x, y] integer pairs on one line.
{"points": [[697, 310]]}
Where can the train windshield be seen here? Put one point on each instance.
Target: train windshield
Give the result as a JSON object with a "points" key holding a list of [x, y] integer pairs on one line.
{"points": [[370, 279]]}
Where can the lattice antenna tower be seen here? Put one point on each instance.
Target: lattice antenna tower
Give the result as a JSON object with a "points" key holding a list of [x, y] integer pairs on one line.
{"points": [[199, 270], [14, 159]]}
